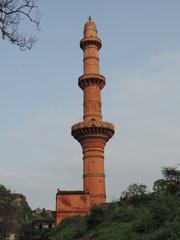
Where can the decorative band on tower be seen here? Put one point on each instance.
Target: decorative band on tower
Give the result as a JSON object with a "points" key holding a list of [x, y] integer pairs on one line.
{"points": [[92, 133]]}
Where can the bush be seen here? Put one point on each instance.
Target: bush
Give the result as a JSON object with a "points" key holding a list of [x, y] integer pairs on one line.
{"points": [[98, 214]]}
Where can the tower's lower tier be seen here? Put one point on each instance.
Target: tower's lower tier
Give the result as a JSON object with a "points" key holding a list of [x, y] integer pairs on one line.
{"points": [[93, 137]]}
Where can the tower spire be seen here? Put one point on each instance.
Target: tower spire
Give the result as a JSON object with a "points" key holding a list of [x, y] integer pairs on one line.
{"points": [[93, 132]]}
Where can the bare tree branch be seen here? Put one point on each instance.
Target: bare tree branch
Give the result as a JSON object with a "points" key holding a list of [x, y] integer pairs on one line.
{"points": [[12, 15]]}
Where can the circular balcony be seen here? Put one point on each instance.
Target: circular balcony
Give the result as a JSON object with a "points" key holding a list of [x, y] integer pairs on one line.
{"points": [[92, 129], [90, 41], [91, 79]]}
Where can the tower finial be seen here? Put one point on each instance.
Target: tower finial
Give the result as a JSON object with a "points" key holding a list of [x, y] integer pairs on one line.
{"points": [[89, 18]]}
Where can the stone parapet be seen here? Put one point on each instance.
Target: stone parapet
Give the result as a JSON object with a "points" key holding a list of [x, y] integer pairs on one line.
{"points": [[73, 192]]}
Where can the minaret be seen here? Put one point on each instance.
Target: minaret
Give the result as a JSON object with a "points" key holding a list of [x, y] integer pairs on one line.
{"points": [[93, 132]]}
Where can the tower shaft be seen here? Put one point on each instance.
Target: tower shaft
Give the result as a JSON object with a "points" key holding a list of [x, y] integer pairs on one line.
{"points": [[92, 133]]}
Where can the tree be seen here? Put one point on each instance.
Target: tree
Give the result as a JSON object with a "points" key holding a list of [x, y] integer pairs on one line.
{"points": [[160, 186], [13, 13], [172, 178], [170, 182], [137, 189], [97, 215], [171, 174], [135, 193]]}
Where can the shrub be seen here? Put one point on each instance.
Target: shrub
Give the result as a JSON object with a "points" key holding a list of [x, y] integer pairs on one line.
{"points": [[98, 214]]}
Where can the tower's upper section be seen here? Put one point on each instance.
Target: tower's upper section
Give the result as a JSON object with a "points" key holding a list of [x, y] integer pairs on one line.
{"points": [[91, 82], [90, 45], [90, 29]]}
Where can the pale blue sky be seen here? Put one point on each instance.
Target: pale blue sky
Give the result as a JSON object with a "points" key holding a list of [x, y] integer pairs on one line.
{"points": [[40, 98]]}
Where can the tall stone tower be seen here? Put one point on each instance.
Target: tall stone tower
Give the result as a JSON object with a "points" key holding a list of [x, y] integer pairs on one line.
{"points": [[93, 132]]}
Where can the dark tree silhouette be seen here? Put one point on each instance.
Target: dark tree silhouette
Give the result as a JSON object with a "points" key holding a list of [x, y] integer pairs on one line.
{"points": [[172, 178], [13, 14], [171, 174]]}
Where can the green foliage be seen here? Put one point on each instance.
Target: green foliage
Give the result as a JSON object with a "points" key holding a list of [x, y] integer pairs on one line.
{"points": [[155, 219], [140, 215], [98, 213], [171, 174], [137, 194], [170, 184], [160, 186], [121, 212], [137, 189], [69, 228], [172, 179]]}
